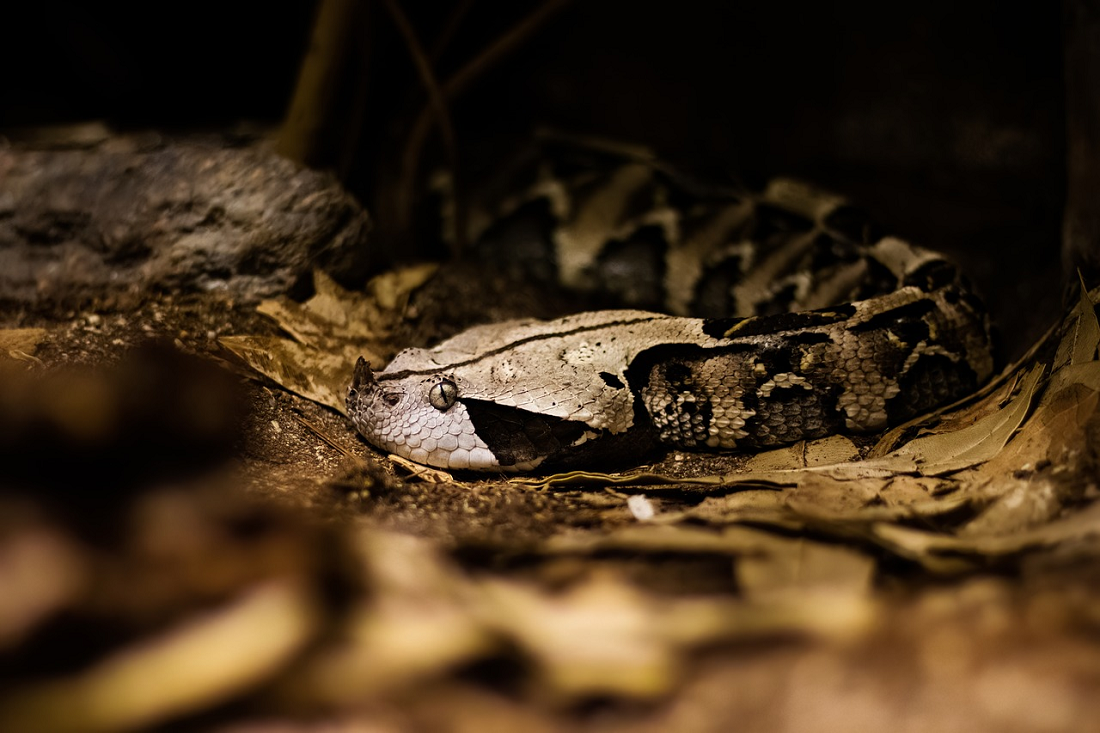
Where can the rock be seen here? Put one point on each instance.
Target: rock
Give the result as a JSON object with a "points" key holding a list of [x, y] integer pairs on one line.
{"points": [[184, 215]]}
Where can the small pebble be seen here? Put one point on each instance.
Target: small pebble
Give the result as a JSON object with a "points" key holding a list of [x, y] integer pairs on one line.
{"points": [[641, 507]]}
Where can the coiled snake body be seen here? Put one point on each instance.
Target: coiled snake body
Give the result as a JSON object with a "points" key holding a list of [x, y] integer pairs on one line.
{"points": [[813, 324]]}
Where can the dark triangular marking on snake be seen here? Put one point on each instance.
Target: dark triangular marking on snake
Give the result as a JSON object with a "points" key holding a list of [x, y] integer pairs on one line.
{"points": [[932, 275], [518, 436], [932, 380], [740, 327], [899, 315]]}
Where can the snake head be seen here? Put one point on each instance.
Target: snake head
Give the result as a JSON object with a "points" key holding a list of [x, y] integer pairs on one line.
{"points": [[419, 417]]}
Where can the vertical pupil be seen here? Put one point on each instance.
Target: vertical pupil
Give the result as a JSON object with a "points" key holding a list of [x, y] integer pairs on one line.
{"points": [[442, 395]]}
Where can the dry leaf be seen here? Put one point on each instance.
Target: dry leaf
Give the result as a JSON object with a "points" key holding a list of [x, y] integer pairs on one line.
{"points": [[982, 456], [391, 290], [320, 376], [920, 544], [417, 624], [803, 569], [20, 343], [41, 572], [603, 637], [764, 506], [328, 333], [949, 452], [822, 452], [1081, 332], [656, 538], [206, 660]]}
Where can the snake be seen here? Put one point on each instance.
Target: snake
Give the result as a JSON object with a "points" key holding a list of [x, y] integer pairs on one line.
{"points": [[784, 315]]}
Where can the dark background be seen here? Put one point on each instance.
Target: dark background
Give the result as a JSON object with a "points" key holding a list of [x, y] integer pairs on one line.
{"points": [[945, 118]]}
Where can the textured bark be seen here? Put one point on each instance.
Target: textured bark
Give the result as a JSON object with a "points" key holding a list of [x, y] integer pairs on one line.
{"points": [[169, 216]]}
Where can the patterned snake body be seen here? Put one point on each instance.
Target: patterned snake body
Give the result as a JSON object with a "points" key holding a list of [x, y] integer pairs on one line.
{"points": [[793, 363]]}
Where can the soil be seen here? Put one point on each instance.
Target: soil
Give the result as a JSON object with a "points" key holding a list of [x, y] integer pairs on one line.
{"points": [[262, 484]]}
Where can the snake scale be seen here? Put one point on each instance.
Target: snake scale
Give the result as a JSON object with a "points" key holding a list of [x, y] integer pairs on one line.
{"points": [[789, 318]]}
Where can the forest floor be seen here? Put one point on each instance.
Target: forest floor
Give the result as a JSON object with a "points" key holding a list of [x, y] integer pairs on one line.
{"points": [[193, 537]]}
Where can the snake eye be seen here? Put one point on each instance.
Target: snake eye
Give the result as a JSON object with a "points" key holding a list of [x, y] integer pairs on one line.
{"points": [[391, 398], [442, 395]]}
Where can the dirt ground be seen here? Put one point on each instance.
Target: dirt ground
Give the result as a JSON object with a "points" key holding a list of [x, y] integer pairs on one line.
{"points": [[301, 581]]}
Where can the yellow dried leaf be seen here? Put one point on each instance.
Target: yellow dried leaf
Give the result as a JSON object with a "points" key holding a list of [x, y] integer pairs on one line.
{"points": [[641, 538], [803, 568], [391, 289], [205, 660], [320, 376], [920, 544], [822, 452], [20, 343], [949, 452], [1081, 333], [332, 315], [603, 637], [826, 497], [759, 505], [328, 333]]}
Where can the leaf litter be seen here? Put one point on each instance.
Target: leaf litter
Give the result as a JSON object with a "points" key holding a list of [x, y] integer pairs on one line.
{"points": [[1002, 460], [803, 530], [328, 332]]}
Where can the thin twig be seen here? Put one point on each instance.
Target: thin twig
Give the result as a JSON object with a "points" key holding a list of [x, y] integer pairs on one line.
{"points": [[437, 110], [453, 22], [424, 473], [324, 438], [414, 144], [503, 46]]}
